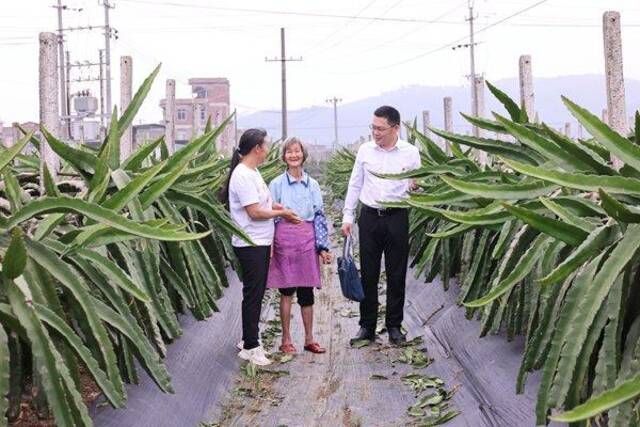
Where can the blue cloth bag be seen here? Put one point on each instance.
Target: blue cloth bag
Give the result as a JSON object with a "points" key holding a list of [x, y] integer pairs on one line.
{"points": [[348, 274]]}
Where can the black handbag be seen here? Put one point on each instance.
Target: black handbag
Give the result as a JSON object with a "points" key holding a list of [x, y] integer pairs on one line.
{"points": [[348, 273]]}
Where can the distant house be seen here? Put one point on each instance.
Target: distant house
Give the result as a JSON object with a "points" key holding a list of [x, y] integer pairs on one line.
{"points": [[318, 152], [147, 132], [210, 101], [11, 134]]}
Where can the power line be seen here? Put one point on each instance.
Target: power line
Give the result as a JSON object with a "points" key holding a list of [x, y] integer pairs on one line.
{"points": [[448, 45], [565, 25], [19, 38], [342, 27], [289, 13], [260, 110], [324, 127], [353, 17], [18, 43], [361, 29], [408, 33]]}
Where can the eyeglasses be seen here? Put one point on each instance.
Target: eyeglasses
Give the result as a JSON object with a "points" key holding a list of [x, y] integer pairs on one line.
{"points": [[379, 128]]}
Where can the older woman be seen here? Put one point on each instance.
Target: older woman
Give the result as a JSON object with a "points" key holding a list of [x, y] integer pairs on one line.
{"points": [[298, 248], [252, 209]]}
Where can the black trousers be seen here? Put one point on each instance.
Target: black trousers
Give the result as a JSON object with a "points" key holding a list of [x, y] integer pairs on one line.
{"points": [[389, 235], [254, 262]]}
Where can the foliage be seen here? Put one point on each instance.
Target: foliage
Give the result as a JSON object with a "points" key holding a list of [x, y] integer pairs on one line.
{"points": [[543, 242], [97, 267]]}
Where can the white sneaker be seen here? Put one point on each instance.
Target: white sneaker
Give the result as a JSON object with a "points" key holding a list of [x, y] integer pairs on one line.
{"points": [[256, 356], [240, 345]]}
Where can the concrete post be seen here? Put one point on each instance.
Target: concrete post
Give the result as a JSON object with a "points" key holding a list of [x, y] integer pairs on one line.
{"points": [[426, 122], [448, 119], [617, 115], [567, 129], [170, 116], [199, 121], [49, 116], [614, 72], [15, 134], [448, 113], [479, 88], [126, 89], [526, 85], [605, 115]]}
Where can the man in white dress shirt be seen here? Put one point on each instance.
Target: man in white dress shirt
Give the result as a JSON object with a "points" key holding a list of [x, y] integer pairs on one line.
{"points": [[381, 231]]}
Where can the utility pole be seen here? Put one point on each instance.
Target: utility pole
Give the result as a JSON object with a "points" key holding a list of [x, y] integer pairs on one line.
{"points": [[474, 91], [64, 99], [473, 78], [67, 62], [283, 60], [103, 111], [107, 57], [66, 68], [335, 101]]}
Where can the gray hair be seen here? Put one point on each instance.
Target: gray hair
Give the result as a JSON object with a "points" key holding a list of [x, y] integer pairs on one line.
{"points": [[290, 143]]}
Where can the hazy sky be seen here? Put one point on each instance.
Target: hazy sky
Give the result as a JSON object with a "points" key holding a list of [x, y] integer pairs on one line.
{"points": [[346, 52]]}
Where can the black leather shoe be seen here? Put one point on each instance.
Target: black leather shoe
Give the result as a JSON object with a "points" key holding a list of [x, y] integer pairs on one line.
{"points": [[364, 334], [396, 336]]}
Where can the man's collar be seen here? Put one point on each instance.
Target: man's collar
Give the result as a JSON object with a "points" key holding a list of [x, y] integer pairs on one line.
{"points": [[291, 180], [395, 146]]}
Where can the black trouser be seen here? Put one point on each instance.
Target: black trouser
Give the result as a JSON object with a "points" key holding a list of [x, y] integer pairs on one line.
{"points": [[254, 263], [304, 294], [389, 234]]}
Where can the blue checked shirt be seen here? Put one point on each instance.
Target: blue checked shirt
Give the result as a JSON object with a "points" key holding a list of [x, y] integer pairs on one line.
{"points": [[305, 199]]}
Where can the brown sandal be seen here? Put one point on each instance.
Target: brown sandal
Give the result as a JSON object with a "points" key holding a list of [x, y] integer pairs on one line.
{"points": [[288, 348], [314, 347]]}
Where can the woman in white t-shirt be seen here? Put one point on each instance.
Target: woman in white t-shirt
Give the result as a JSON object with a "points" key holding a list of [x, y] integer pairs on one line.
{"points": [[253, 210]]}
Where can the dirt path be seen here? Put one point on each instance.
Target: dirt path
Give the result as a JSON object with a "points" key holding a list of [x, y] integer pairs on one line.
{"points": [[335, 388], [344, 387], [363, 386]]}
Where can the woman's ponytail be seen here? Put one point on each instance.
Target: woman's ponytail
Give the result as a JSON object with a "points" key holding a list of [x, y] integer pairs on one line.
{"points": [[249, 139]]}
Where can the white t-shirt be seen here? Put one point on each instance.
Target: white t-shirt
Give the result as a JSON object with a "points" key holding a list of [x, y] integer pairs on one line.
{"points": [[247, 188]]}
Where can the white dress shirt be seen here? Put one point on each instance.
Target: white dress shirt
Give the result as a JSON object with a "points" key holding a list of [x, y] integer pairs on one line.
{"points": [[371, 190]]}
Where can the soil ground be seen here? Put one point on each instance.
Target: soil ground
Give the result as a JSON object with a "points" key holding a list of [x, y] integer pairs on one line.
{"points": [[344, 387]]}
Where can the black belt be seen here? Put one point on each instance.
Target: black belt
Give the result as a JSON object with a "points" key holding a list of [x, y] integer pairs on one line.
{"points": [[382, 211]]}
